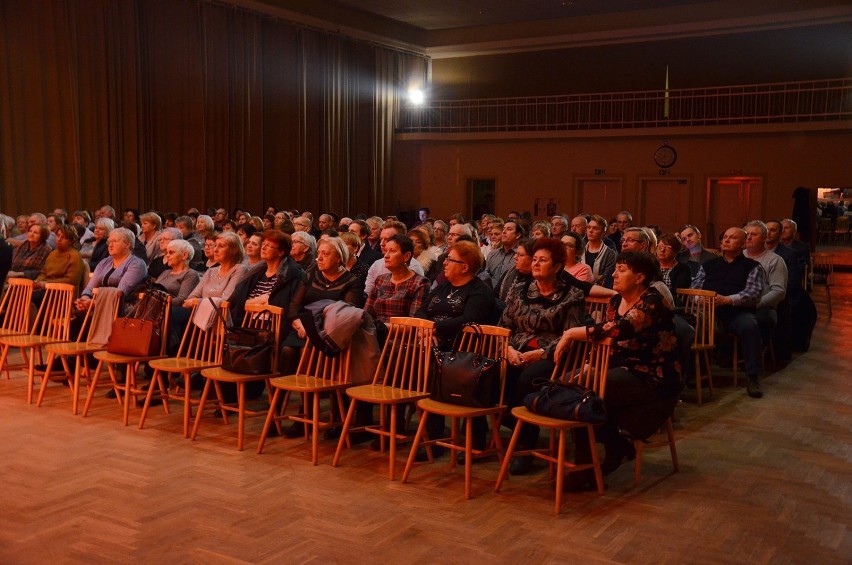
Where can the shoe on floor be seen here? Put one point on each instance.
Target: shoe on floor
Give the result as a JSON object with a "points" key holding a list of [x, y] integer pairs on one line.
{"points": [[521, 465], [110, 394], [422, 455], [296, 429], [753, 389], [581, 481]]}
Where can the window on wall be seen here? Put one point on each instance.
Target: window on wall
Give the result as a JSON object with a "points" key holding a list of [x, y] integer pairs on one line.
{"points": [[480, 197]]}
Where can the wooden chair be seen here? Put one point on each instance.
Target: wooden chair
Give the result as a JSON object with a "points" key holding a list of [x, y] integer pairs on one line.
{"points": [[824, 230], [822, 274], [52, 325], [402, 377], [585, 363], [841, 229], [199, 349], [316, 375], [596, 308], [256, 316], [640, 446], [494, 344], [15, 308], [702, 305], [80, 350], [131, 363]]}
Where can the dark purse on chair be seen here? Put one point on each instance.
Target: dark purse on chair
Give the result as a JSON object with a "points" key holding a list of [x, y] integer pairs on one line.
{"points": [[465, 378], [246, 351], [567, 401]]}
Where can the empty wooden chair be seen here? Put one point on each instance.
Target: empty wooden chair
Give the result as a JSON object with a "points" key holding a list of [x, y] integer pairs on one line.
{"points": [[822, 274], [841, 229], [401, 378], [52, 325], [701, 305], [317, 375], [658, 441], [79, 350], [584, 363], [256, 316], [199, 349], [124, 391], [493, 344], [15, 308]]}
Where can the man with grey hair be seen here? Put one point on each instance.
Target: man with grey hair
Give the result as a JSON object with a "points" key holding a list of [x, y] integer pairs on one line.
{"points": [[558, 226], [775, 278], [105, 211]]}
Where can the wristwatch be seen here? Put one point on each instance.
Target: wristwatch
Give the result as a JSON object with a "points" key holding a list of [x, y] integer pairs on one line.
{"points": [[543, 354]]}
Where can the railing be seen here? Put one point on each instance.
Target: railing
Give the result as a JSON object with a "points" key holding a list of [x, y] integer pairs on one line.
{"points": [[807, 101]]}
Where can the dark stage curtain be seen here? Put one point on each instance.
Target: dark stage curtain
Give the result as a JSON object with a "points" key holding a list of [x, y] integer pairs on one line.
{"points": [[168, 104]]}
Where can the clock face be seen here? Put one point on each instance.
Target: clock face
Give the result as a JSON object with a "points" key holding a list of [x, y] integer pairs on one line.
{"points": [[665, 156]]}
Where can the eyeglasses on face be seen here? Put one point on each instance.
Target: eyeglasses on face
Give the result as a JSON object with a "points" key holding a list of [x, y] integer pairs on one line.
{"points": [[451, 260]]}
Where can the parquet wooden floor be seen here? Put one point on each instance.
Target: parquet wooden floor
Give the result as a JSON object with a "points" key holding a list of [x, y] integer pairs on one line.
{"points": [[761, 481]]}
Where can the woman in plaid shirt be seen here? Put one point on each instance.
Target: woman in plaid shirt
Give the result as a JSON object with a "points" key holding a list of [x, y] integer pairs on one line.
{"points": [[401, 291]]}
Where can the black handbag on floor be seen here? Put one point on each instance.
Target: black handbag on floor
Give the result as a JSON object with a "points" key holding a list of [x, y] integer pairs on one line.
{"points": [[247, 351], [567, 401], [465, 378]]}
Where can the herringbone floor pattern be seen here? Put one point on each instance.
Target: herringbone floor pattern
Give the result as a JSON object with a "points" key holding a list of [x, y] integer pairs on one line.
{"points": [[764, 481]]}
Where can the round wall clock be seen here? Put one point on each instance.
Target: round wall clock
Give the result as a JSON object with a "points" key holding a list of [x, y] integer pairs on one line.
{"points": [[665, 156]]}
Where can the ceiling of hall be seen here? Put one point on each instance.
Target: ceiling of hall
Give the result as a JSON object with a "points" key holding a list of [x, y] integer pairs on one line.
{"points": [[450, 14], [447, 28]]}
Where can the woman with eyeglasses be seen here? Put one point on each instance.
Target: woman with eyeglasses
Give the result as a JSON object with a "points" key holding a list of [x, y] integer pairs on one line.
{"points": [[178, 279], [537, 312], [461, 298], [440, 229], [574, 265], [158, 265]]}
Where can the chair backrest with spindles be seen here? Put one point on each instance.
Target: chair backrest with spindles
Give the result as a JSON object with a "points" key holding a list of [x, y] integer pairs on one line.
{"points": [[585, 363], [315, 363], [266, 317], [596, 308], [492, 342], [204, 344], [701, 304], [15, 306], [54, 316], [406, 356]]}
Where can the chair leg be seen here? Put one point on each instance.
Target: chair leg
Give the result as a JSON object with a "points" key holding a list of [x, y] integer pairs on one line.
{"points": [[44, 378], [129, 383], [421, 427], [270, 416], [698, 375], [560, 468], [241, 414], [639, 446], [344, 433], [392, 436], [315, 428], [672, 445], [201, 403], [507, 458], [31, 377], [468, 446]]}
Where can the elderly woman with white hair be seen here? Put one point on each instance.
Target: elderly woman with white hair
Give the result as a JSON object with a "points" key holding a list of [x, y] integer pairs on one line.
{"points": [[158, 265], [178, 279], [121, 269], [204, 226], [304, 250], [99, 252]]}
